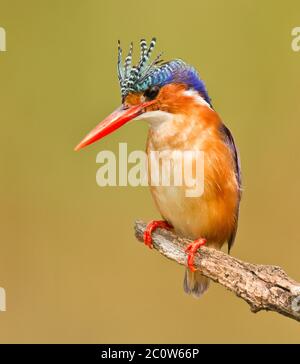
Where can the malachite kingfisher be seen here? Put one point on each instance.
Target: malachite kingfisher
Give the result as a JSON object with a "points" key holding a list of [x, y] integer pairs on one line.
{"points": [[173, 99]]}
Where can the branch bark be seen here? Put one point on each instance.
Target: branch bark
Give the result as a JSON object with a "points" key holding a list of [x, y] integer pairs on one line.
{"points": [[263, 287]]}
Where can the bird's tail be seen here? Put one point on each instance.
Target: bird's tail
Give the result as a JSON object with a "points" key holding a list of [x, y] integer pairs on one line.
{"points": [[195, 283]]}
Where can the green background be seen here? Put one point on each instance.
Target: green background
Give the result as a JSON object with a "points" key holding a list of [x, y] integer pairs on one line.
{"points": [[71, 267]]}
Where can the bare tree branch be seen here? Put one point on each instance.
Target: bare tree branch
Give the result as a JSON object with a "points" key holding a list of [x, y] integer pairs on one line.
{"points": [[263, 287]]}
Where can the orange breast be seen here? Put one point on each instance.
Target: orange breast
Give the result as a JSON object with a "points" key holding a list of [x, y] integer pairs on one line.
{"points": [[213, 214]]}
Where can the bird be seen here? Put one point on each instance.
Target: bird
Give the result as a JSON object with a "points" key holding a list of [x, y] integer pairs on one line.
{"points": [[173, 99]]}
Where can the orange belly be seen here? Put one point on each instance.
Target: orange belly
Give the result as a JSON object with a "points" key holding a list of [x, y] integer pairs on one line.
{"points": [[213, 214], [195, 217]]}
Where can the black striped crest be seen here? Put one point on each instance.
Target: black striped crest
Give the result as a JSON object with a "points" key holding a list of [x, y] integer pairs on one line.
{"points": [[131, 77]]}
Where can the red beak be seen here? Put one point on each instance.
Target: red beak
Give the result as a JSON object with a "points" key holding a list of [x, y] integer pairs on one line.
{"points": [[113, 122]]}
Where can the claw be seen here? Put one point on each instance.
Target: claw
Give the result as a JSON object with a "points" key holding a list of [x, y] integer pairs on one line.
{"points": [[191, 249], [151, 226]]}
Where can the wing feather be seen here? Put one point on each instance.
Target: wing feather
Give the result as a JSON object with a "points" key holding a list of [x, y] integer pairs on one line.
{"points": [[237, 164]]}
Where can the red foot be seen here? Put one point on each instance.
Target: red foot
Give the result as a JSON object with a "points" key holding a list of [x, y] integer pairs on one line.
{"points": [[152, 225], [191, 249]]}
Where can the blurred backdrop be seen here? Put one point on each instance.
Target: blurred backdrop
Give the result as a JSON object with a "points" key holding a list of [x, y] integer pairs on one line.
{"points": [[72, 269]]}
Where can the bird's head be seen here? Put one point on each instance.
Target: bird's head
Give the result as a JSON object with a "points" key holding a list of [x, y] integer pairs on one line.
{"points": [[151, 90]]}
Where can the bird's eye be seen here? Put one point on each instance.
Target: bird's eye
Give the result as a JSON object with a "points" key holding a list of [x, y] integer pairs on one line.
{"points": [[151, 92]]}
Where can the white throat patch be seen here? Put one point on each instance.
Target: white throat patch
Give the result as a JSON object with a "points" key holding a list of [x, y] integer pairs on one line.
{"points": [[155, 118], [196, 97]]}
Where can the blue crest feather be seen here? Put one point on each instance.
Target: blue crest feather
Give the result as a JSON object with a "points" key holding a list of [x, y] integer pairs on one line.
{"points": [[156, 73]]}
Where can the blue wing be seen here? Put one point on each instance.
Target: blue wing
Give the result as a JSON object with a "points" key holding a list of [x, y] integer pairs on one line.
{"points": [[235, 154]]}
